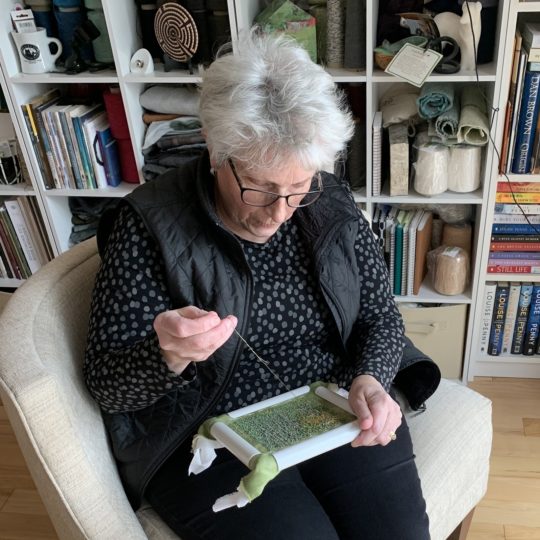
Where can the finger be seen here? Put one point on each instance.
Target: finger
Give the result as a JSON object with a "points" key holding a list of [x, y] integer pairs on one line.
{"points": [[200, 346], [380, 415], [178, 325], [361, 409]]}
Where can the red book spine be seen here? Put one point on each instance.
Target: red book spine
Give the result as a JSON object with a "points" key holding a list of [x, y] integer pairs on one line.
{"points": [[514, 246], [518, 187], [514, 269]]}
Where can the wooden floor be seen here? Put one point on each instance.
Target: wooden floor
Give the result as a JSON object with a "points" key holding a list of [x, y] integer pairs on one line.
{"points": [[509, 511]]}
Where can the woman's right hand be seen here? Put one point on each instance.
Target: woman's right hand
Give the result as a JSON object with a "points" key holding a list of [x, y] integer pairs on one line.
{"points": [[191, 334]]}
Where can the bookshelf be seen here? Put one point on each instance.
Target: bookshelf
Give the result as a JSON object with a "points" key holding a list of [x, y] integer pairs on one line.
{"points": [[121, 18], [504, 365]]}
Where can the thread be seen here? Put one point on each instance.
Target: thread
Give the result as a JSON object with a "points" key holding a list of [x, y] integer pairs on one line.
{"points": [[449, 269], [464, 168], [431, 170], [335, 33]]}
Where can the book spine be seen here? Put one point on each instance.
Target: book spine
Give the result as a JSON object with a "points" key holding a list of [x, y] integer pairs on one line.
{"points": [[10, 272], [514, 246], [48, 147], [62, 148], [521, 318], [55, 151], [521, 198], [533, 322], [516, 219], [20, 262], [497, 322], [485, 325], [528, 117], [38, 152], [515, 238], [510, 319], [23, 235], [8, 251], [529, 255], [68, 144], [518, 187], [513, 269], [32, 227], [514, 228], [90, 180], [505, 208]]}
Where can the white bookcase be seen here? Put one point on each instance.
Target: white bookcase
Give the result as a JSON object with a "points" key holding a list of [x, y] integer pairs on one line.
{"points": [[121, 18], [504, 365]]}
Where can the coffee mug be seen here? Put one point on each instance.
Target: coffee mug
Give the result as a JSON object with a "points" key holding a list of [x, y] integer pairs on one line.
{"points": [[34, 50]]}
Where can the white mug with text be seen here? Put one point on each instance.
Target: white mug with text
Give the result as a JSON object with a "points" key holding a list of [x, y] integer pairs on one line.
{"points": [[34, 50]]}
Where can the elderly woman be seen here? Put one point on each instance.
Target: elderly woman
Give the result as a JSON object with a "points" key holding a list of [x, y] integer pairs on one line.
{"points": [[253, 252]]}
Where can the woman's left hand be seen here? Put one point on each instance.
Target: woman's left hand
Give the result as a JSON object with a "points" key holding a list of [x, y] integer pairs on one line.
{"points": [[378, 414]]}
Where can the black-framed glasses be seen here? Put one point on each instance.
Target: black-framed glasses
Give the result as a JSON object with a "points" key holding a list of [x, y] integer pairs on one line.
{"points": [[257, 197]]}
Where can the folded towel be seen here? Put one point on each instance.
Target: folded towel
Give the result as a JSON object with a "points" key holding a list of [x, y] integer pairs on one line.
{"points": [[435, 99], [446, 124], [473, 122], [171, 99]]}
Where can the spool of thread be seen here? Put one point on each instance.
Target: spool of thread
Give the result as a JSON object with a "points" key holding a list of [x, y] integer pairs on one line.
{"points": [[319, 12], [431, 169], [449, 267], [355, 35], [335, 33], [102, 44], [459, 235], [464, 168]]}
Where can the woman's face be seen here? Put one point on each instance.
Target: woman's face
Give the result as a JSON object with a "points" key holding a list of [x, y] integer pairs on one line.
{"points": [[258, 224]]}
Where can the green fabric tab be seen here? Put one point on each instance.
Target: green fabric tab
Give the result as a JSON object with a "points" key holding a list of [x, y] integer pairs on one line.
{"points": [[264, 468], [206, 426]]}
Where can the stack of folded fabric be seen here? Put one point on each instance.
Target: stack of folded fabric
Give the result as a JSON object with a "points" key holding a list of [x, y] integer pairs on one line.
{"points": [[85, 214], [174, 134]]}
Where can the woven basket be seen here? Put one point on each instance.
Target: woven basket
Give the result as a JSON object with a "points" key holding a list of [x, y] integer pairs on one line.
{"points": [[382, 59]]}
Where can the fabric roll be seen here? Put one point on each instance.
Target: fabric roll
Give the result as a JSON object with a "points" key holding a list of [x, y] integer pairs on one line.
{"points": [[355, 35], [446, 124], [399, 104], [431, 169], [319, 12], [435, 98], [473, 122], [335, 33], [102, 44], [464, 169], [171, 99]]}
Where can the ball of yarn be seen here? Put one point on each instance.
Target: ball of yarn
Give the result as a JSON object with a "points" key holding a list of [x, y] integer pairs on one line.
{"points": [[449, 269]]}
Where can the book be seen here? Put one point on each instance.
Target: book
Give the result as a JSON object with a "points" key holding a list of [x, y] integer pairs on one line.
{"points": [[504, 208], [522, 267], [413, 228], [487, 314], [90, 126], [510, 319], [14, 243], [9, 252], [521, 318], [530, 255], [528, 118], [42, 229], [71, 145], [515, 237], [514, 246], [423, 243], [533, 323], [516, 197], [108, 155], [517, 217], [405, 250], [522, 66], [79, 118], [4, 255], [24, 237], [32, 225], [518, 187], [514, 228], [376, 154], [530, 32], [497, 320]]}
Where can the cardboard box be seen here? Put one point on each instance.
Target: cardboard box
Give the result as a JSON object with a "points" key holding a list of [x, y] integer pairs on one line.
{"points": [[285, 17], [439, 332]]}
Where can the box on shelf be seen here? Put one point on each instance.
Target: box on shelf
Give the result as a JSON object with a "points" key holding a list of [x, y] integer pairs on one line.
{"points": [[438, 332]]}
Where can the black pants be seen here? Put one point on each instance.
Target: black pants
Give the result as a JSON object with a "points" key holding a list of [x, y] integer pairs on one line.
{"points": [[369, 493]]}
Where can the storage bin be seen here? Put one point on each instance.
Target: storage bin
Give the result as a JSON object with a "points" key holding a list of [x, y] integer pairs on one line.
{"points": [[439, 332]]}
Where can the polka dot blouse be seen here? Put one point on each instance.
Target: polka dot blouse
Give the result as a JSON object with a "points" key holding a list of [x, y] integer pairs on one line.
{"points": [[291, 329]]}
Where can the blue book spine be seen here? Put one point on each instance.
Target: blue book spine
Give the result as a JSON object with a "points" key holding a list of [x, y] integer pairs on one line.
{"points": [[71, 150], [398, 259], [85, 158], [526, 128], [518, 339], [514, 228], [514, 255], [497, 321], [533, 323]]}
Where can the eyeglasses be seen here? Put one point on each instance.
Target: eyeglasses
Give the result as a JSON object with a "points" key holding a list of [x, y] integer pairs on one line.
{"points": [[257, 197]]}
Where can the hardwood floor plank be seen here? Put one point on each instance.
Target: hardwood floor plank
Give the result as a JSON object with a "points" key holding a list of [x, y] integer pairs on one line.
{"points": [[25, 501], [26, 527], [4, 495], [531, 427], [513, 532], [485, 531]]}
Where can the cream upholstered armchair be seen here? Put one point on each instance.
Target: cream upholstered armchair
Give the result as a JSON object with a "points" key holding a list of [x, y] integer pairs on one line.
{"points": [[61, 434]]}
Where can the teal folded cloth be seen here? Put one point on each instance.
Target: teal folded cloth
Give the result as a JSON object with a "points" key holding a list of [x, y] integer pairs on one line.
{"points": [[473, 125], [435, 98], [446, 124]]}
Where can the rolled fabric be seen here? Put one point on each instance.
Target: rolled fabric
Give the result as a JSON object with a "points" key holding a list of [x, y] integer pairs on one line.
{"points": [[446, 124], [473, 122], [464, 168], [171, 100], [398, 104], [449, 269], [435, 98], [355, 35], [431, 169], [319, 12], [335, 33]]}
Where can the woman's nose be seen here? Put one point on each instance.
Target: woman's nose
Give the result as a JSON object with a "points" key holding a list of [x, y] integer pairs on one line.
{"points": [[280, 210]]}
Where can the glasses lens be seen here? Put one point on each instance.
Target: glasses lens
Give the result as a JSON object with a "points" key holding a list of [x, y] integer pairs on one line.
{"points": [[303, 199], [258, 198]]}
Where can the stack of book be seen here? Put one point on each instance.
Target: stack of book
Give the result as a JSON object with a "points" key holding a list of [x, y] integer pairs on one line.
{"points": [[521, 139], [73, 144], [515, 234], [24, 247], [405, 238], [511, 319]]}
